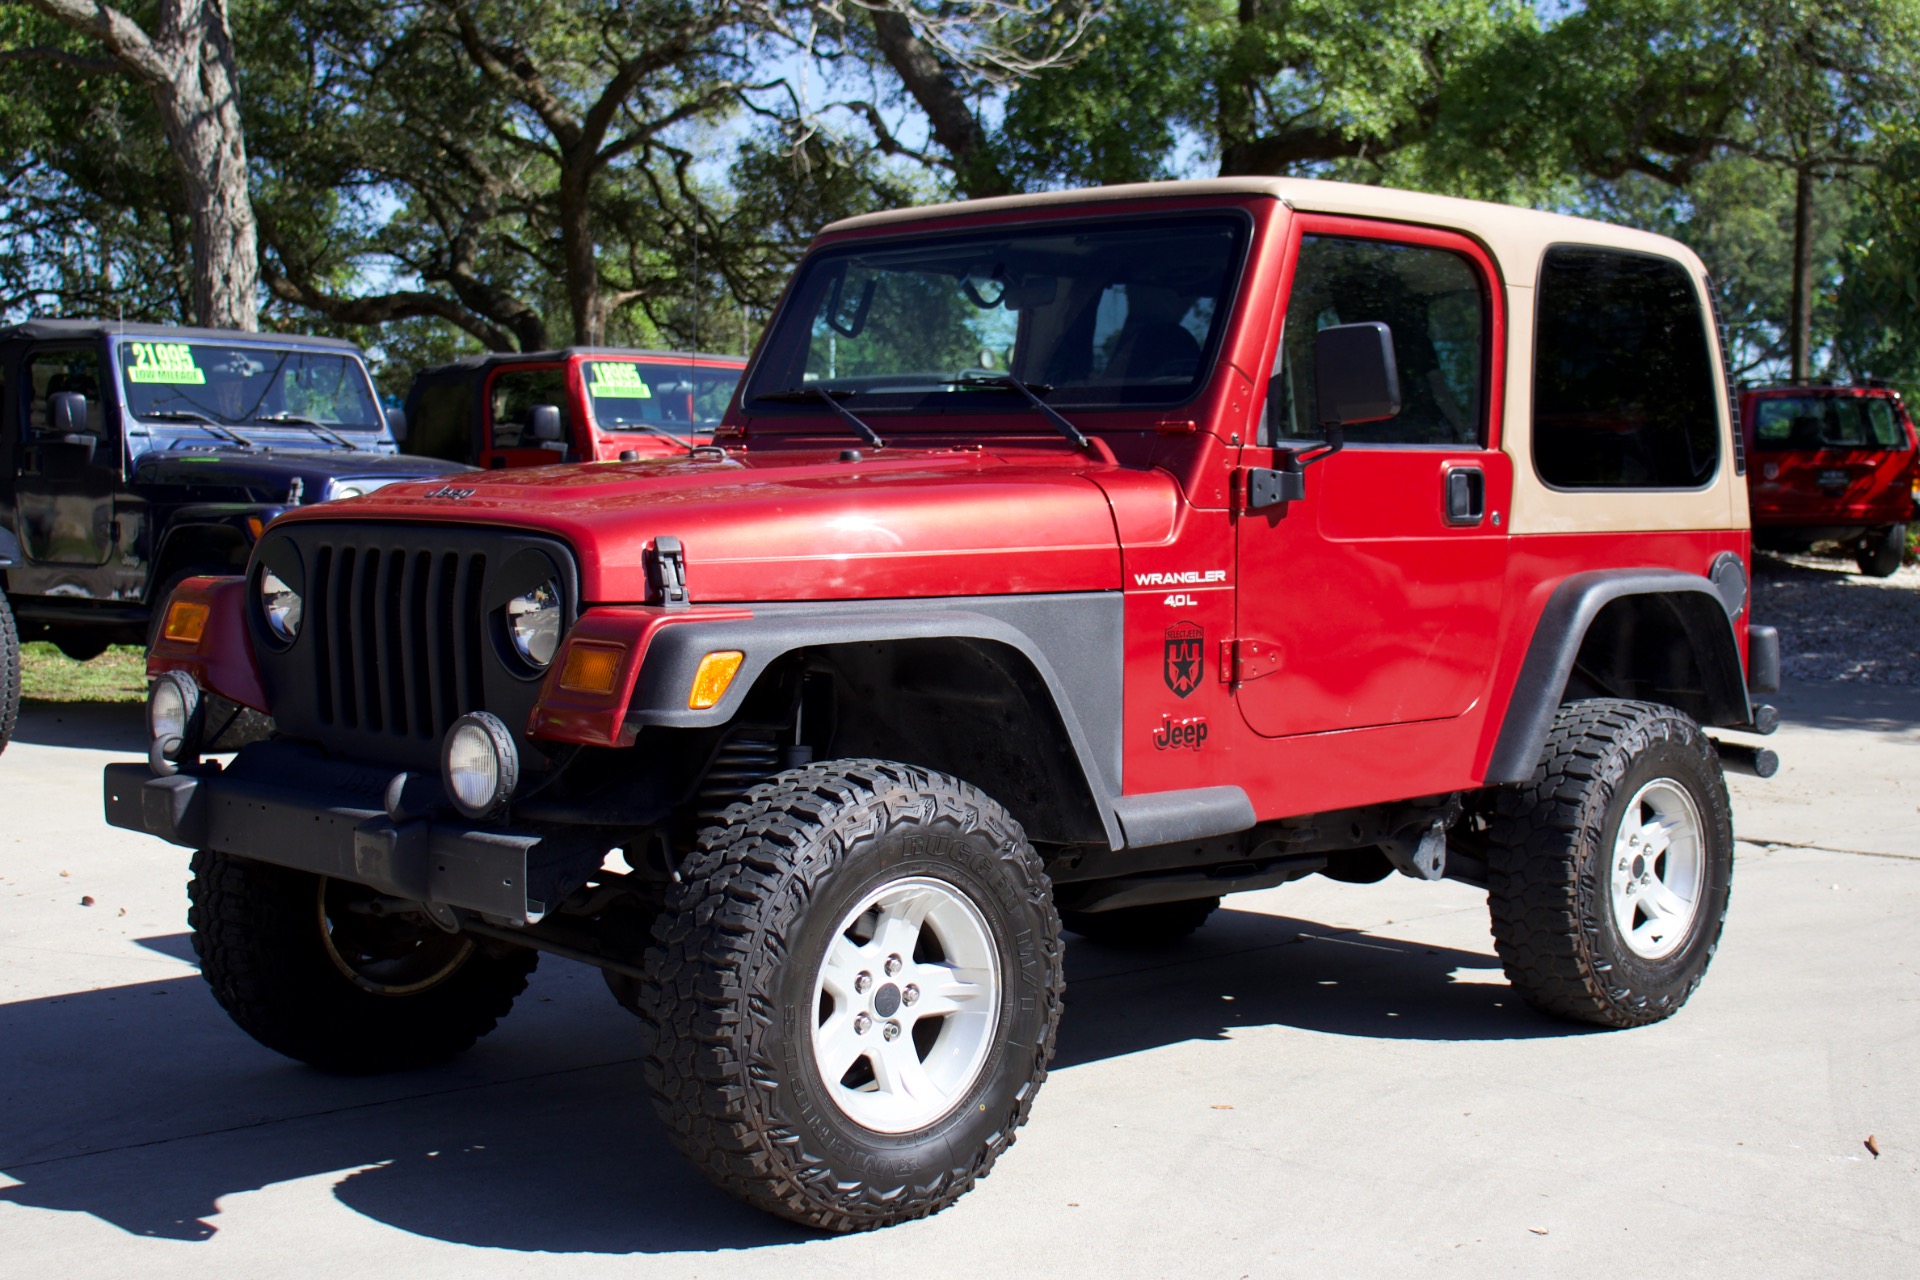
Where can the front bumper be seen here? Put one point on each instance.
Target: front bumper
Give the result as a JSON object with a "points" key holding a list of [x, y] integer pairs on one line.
{"points": [[295, 807]]}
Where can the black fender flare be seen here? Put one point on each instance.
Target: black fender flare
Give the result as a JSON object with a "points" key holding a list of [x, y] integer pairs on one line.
{"points": [[188, 522], [1072, 641], [1561, 630]]}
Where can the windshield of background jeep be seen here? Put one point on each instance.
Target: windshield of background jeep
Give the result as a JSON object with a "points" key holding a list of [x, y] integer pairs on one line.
{"points": [[235, 384], [1106, 313], [1826, 422], [638, 395]]}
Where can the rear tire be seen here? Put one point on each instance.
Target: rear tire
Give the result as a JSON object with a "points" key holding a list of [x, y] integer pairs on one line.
{"points": [[1160, 924], [9, 672], [1881, 551], [304, 974], [1608, 872], [853, 994]]}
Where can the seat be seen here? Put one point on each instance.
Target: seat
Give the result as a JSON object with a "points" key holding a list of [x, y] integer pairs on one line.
{"points": [[1153, 352]]}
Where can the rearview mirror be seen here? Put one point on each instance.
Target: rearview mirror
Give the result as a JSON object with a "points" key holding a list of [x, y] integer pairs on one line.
{"points": [[67, 414], [1355, 375], [543, 422]]}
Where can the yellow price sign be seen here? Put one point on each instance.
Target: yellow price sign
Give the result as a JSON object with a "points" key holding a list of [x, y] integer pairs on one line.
{"points": [[617, 382], [165, 362]]}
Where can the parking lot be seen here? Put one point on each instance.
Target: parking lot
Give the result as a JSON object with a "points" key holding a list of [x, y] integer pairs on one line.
{"points": [[1328, 1079]]}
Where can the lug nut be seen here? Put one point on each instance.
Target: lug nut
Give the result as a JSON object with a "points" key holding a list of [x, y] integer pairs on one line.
{"points": [[862, 982], [861, 1022], [911, 995], [893, 965], [891, 1031]]}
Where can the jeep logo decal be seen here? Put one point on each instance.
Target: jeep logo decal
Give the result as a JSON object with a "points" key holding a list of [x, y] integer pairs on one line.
{"points": [[448, 492], [1185, 660]]}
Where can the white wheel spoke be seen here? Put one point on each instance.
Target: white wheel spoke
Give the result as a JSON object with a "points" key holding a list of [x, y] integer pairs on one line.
{"points": [[898, 1070], [1661, 845], [836, 1047], [900, 923], [1665, 903], [948, 989]]}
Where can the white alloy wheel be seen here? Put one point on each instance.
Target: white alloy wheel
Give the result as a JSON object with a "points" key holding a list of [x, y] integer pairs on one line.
{"points": [[1659, 869], [905, 1005]]}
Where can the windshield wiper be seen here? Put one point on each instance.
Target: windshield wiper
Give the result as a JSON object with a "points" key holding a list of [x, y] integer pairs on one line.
{"points": [[802, 395], [658, 430], [1007, 382], [318, 428], [199, 419]]}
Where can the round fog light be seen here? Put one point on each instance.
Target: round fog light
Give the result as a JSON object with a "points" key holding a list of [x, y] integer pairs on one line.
{"points": [[173, 716], [479, 764]]}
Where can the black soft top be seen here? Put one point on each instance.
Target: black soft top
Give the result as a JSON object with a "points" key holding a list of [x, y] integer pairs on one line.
{"points": [[53, 330], [489, 360]]}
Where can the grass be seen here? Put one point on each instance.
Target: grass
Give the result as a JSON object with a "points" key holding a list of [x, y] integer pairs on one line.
{"points": [[47, 675]]}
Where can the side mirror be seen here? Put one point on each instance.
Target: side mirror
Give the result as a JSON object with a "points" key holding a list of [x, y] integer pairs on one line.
{"points": [[1355, 375], [67, 414], [543, 422], [397, 425]]}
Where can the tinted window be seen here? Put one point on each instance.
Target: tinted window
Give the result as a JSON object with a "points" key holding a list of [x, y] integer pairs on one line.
{"points": [[1825, 422], [243, 384], [51, 372], [1622, 375], [627, 395], [1104, 313], [442, 423], [515, 393], [1433, 302]]}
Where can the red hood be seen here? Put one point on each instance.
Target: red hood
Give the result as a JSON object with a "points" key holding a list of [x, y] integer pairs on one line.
{"points": [[799, 525]]}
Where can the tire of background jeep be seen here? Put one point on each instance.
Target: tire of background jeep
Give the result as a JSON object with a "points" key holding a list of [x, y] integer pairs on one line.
{"points": [[1587, 925], [9, 672], [1881, 551], [1160, 924], [357, 996], [80, 648], [829, 903]]}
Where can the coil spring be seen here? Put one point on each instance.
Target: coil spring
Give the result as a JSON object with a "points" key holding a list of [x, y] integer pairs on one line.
{"points": [[741, 763]]}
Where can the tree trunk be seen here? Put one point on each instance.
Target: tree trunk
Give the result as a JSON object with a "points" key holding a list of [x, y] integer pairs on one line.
{"points": [[1800, 325], [576, 244], [189, 68]]}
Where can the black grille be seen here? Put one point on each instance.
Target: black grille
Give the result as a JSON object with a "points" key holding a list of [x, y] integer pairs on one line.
{"points": [[398, 636], [401, 633]]}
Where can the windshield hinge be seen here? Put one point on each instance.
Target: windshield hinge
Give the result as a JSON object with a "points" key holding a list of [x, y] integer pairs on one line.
{"points": [[667, 571], [1244, 660]]}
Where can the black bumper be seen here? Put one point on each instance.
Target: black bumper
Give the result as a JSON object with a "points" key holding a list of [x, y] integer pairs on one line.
{"points": [[297, 808]]}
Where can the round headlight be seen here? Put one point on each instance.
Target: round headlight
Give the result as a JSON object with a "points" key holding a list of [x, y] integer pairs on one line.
{"points": [[281, 604], [348, 491], [533, 620], [479, 764]]}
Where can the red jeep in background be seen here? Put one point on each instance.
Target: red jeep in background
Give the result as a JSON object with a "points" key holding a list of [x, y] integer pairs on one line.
{"points": [[1831, 464], [1063, 560], [583, 404]]}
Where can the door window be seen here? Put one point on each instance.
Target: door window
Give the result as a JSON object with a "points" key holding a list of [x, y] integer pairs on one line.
{"points": [[51, 372], [1433, 302], [443, 421], [1622, 374], [515, 393]]}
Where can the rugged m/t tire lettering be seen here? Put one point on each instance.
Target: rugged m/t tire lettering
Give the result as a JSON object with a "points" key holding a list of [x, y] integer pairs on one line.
{"points": [[1608, 872], [882, 922]]}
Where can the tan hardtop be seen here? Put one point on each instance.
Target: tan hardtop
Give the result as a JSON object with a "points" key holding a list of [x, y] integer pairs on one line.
{"points": [[1515, 236]]}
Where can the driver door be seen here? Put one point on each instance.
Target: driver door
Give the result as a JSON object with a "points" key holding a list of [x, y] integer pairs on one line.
{"points": [[1375, 600], [65, 485], [507, 434]]}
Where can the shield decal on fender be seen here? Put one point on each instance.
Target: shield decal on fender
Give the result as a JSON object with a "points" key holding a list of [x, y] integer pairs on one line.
{"points": [[1185, 660]]}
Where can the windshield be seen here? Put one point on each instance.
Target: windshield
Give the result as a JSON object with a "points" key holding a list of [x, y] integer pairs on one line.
{"points": [[1826, 422], [231, 383], [644, 395], [1094, 314]]}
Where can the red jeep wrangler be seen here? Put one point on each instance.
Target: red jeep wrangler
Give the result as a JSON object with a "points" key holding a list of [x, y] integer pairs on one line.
{"points": [[583, 404], [1067, 560], [1834, 464]]}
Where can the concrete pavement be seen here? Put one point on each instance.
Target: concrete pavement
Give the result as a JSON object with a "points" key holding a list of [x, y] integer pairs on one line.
{"points": [[1329, 1079]]}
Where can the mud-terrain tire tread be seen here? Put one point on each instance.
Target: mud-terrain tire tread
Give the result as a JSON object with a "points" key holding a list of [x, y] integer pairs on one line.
{"points": [[1545, 898], [1882, 551], [9, 672], [255, 931], [743, 891], [1159, 924]]}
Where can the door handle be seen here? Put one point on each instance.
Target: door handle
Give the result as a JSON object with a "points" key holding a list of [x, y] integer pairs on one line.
{"points": [[1466, 495]]}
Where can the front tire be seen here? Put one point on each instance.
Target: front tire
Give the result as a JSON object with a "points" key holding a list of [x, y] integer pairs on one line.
{"points": [[1881, 551], [9, 672], [302, 967], [853, 994], [1608, 872]]}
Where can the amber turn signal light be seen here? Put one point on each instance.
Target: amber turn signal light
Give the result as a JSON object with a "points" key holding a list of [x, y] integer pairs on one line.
{"points": [[186, 621], [591, 668], [710, 682]]}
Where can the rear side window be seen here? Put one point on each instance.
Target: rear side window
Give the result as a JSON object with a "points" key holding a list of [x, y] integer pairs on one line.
{"points": [[1432, 301], [515, 393], [51, 372], [442, 426], [1800, 423], [1622, 374]]}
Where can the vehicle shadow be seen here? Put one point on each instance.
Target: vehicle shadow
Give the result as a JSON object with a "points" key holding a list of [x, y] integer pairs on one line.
{"points": [[143, 1106], [1847, 650], [97, 726]]}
